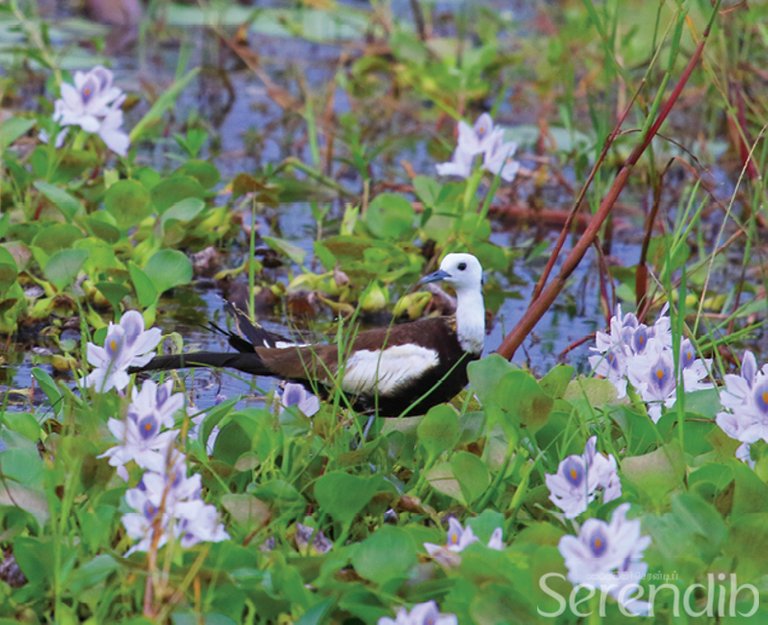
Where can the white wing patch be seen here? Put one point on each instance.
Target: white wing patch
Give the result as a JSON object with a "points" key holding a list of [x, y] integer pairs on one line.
{"points": [[393, 367], [286, 344]]}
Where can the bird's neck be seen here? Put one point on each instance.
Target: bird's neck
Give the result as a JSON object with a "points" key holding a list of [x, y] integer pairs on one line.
{"points": [[470, 320]]}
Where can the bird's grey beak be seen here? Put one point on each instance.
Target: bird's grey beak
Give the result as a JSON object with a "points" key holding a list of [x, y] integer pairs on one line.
{"points": [[435, 277]]}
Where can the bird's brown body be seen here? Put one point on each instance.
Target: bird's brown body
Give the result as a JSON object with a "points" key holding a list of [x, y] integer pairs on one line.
{"points": [[317, 366], [390, 371]]}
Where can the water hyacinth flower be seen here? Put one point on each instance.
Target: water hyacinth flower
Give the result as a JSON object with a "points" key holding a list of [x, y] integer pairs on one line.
{"points": [[614, 348], [642, 355], [140, 435], [127, 345], [421, 614], [93, 104], [140, 525], [579, 477], [310, 540], [296, 395], [481, 139], [627, 338], [158, 400], [457, 540], [745, 402], [169, 506], [198, 522], [498, 160], [608, 556], [653, 375], [654, 378]]}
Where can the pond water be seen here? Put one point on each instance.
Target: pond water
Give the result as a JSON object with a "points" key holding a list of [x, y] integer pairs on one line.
{"points": [[250, 131]]}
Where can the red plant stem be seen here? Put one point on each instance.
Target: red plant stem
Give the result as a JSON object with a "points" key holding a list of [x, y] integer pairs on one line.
{"points": [[641, 278], [547, 296], [577, 204], [741, 130]]}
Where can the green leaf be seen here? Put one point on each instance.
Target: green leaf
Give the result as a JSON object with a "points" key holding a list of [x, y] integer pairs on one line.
{"points": [[247, 510], [114, 292], [203, 171], [439, 430], [597, 392], [165, 102], [294, 252], [556, 381], [128, 201], [23, 423], [700, 517], [66, 203], [184, 210], [427, 190], [343, 495], [55, 237], [657, 473], [471, 473], [91, 573], [62, 268], [8, 270], [486, 373], [30, 500], [13, 128], [180, 617], [750, 493], [48, 386], [388, 553], [747, 544], [317, 614], [168, 268], [530, 407], [485, 523], [442, 478], [101, 226], [145, 288], [173, 190], [282, 496], [389, 216]]}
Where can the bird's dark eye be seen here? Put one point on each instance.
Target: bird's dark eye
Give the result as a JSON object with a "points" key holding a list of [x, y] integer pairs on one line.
{"points": [[462, 266]]}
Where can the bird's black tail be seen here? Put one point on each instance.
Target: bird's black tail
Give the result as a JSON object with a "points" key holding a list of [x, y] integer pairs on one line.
{"points": [[247, 363]]}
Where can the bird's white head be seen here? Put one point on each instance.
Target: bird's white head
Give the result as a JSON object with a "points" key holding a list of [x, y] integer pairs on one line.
{"points": [[462, 271], [465, 274]]}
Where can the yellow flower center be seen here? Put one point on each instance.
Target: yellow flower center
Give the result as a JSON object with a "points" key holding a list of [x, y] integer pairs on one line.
{"points": [[660, 373]]}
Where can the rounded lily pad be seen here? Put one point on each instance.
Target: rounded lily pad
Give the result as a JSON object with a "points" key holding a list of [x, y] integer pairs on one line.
{"points": [[102, 225], [202, 171], [62, 268], [389, 216], [174, 189], [168, 268], [128, 201], [57, 237]]}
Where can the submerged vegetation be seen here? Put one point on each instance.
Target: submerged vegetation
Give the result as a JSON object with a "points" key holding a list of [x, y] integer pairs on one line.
{"points": [[309, 161]]}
